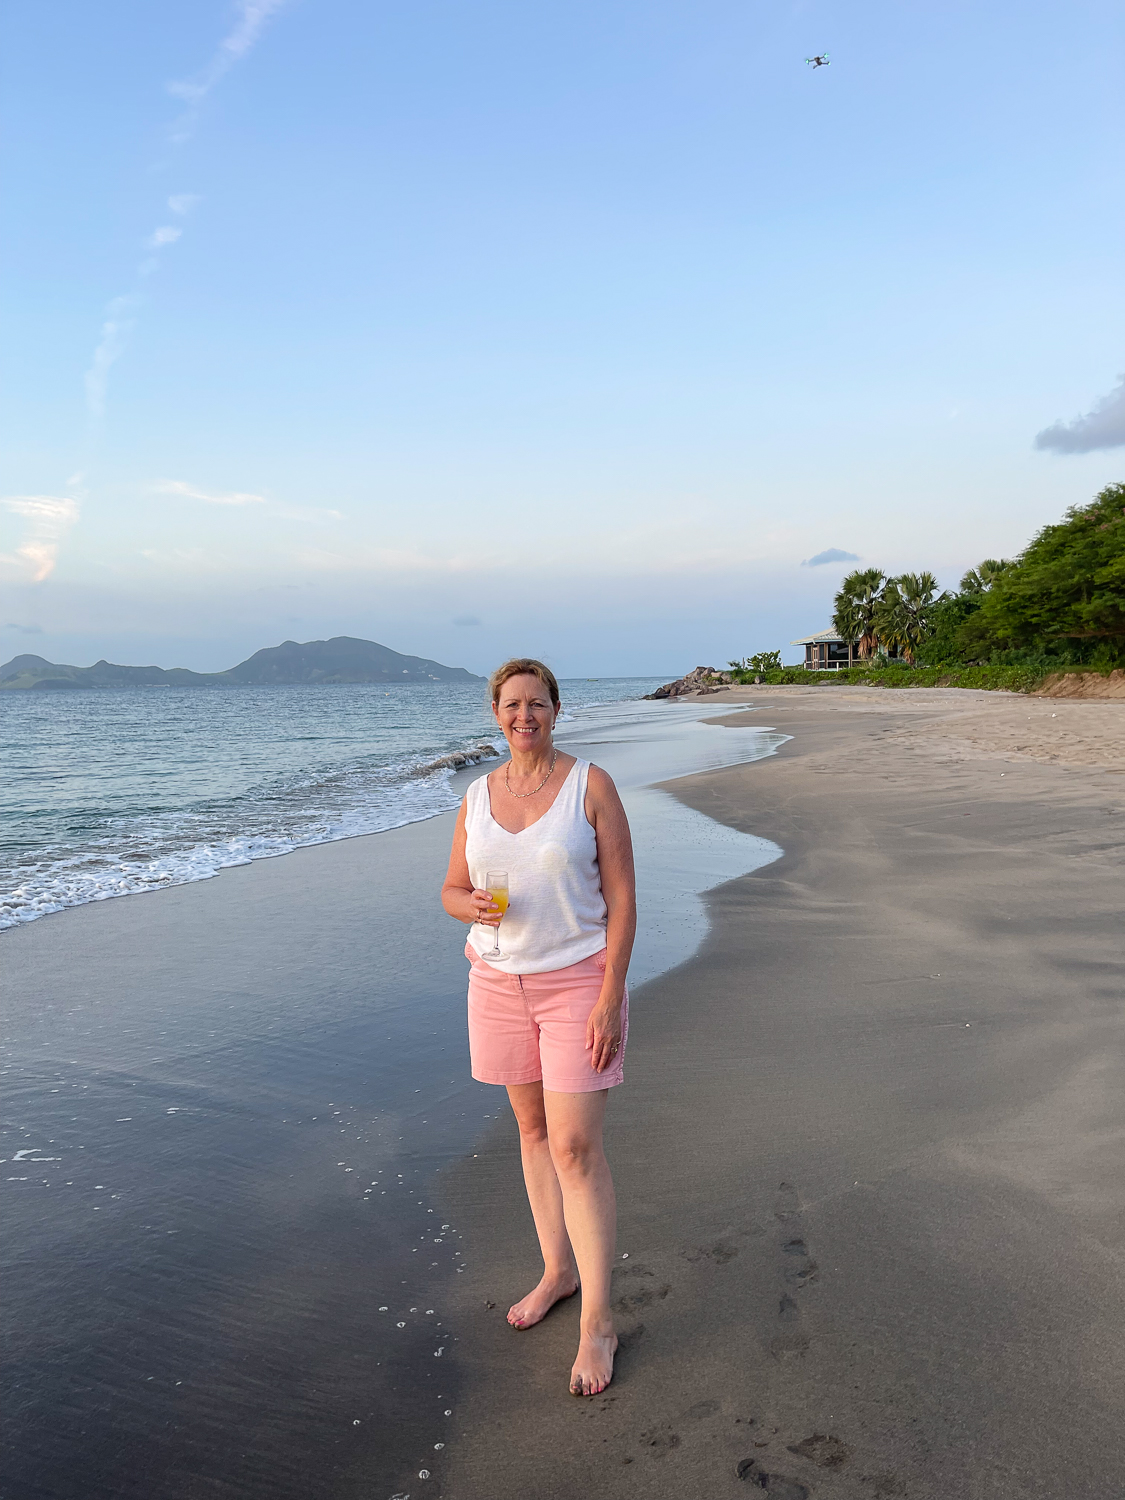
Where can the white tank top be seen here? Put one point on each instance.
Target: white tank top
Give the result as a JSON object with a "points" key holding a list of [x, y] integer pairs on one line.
{"points": [[557, 913]]}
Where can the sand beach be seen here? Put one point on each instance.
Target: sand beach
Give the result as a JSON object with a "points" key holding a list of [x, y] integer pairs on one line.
{"points": [[870, 1147], [868, 1153]]}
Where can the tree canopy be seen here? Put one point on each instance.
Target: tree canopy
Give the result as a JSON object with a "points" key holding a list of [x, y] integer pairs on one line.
{"points": [[1067, 584], [856, 607]]}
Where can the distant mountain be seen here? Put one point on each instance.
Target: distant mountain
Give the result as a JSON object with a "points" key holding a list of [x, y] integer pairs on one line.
{"points": [[342, 659], [36, 672]]}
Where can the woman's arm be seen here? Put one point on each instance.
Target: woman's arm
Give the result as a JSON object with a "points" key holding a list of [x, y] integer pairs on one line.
{"points": [[615, 860], [457, 894]]}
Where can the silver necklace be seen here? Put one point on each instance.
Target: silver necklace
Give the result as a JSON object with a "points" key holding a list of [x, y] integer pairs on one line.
{"points": [[539, 788]]}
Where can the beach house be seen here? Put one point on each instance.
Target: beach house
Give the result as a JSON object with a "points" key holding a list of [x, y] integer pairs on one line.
{"points": [[827, 651]]}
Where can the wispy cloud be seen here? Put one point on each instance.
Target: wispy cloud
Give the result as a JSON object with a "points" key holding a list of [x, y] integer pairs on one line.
{"points": [[193, 492], [183, 203], [167, 234], [119, 320], [829, 555], [47, 519], [252, 17], [25, 629], [1104, 427]]}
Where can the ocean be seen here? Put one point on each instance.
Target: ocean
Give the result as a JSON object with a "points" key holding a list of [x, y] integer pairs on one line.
{"points": [[117, 791]]}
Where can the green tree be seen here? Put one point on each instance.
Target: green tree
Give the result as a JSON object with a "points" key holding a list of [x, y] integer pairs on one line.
{"points": [[903, 615], [980, 579], [950, 637], [855, 608], [1068, 585], [945, 646], [761, 661]]}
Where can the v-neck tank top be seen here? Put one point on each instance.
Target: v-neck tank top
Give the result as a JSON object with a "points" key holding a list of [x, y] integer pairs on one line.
{"points": [[556, 914]]}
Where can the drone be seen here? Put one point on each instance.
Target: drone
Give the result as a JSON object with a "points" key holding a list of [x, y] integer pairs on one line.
{"points": [[821, 60]]}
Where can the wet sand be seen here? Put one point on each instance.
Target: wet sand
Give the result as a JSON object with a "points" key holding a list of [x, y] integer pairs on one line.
{"points": [[869, 1150], [228, 1266], [233, 1099]]}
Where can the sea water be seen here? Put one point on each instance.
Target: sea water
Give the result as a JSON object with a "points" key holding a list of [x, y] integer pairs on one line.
{"points": [[114, 791]]}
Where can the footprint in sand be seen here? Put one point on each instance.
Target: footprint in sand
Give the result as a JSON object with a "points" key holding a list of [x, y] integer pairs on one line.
{"points": [[660, 1440], [791, 1341], [802, 1273], [780, 1486], [786, 1205], [702, 1409], [641, 1298], [633, 1271], [720, 1252], [822, 1449]]}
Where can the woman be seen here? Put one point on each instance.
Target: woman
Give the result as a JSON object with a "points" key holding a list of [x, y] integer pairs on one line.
{"points": [[549, 1019]]}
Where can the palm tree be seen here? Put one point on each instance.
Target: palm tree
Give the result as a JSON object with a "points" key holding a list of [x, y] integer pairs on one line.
{"points": [[980, 579], [856, 606], [903, 615]]}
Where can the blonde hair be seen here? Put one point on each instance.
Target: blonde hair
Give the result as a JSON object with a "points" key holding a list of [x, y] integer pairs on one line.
{"points": [[517, 667]]}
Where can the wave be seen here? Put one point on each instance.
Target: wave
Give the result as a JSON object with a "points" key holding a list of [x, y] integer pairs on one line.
{"points": [[152, 851]]}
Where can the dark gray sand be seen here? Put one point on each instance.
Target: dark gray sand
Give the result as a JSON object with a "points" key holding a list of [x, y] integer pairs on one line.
{"points": [[870, 1158], [226, 1106]]}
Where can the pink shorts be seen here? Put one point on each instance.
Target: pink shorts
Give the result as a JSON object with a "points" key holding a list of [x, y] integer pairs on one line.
{"points": [[531, 1028]]}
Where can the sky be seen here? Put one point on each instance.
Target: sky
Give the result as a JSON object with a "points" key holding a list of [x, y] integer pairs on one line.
{"points": [[611, 332]]}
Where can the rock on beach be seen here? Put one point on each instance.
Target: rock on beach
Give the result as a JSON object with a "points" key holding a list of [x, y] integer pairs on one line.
{"points": [[702, 680]]}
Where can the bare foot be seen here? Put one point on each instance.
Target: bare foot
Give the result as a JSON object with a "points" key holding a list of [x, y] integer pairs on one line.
{"points": [[593, 1369], [537, 1304]]}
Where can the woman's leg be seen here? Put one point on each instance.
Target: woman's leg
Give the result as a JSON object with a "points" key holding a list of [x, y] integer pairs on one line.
{"points": [[560, 1278], [574, 1131]]}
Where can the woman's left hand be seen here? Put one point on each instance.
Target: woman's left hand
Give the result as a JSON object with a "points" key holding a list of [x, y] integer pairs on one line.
{"points": [[603, 1034]]}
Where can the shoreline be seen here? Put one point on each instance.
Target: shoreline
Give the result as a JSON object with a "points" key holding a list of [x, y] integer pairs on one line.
{"points": [[230, 1118], [874, 1220], [238, 1062]]}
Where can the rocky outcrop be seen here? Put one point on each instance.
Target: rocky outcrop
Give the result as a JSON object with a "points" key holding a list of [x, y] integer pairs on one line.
{"points": [[703, 680]]}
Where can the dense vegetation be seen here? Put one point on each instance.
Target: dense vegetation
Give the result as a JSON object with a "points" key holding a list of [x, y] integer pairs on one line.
{"points": [[1059, 605]]}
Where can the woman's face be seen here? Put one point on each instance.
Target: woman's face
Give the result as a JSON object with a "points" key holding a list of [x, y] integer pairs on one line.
{"points": [[525, 713]]}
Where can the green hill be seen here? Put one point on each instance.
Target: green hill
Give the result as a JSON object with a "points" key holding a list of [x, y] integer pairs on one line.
{"points": [[342, 659]]}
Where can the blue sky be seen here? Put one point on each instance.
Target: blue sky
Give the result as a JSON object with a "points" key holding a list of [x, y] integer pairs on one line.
{"points": [[574, 329]]}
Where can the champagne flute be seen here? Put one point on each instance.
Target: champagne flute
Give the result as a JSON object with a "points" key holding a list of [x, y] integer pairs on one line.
{"points": [[497, 887]]}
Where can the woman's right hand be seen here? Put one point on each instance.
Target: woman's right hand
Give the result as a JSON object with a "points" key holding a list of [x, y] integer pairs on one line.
{"points": [[484, 909]]}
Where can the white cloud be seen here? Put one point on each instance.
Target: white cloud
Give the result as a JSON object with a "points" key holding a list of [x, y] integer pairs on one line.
{"points": [[193, 492], [1104, 427], [252, 17], [115, 331], [48, 518], [167, 234]]}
